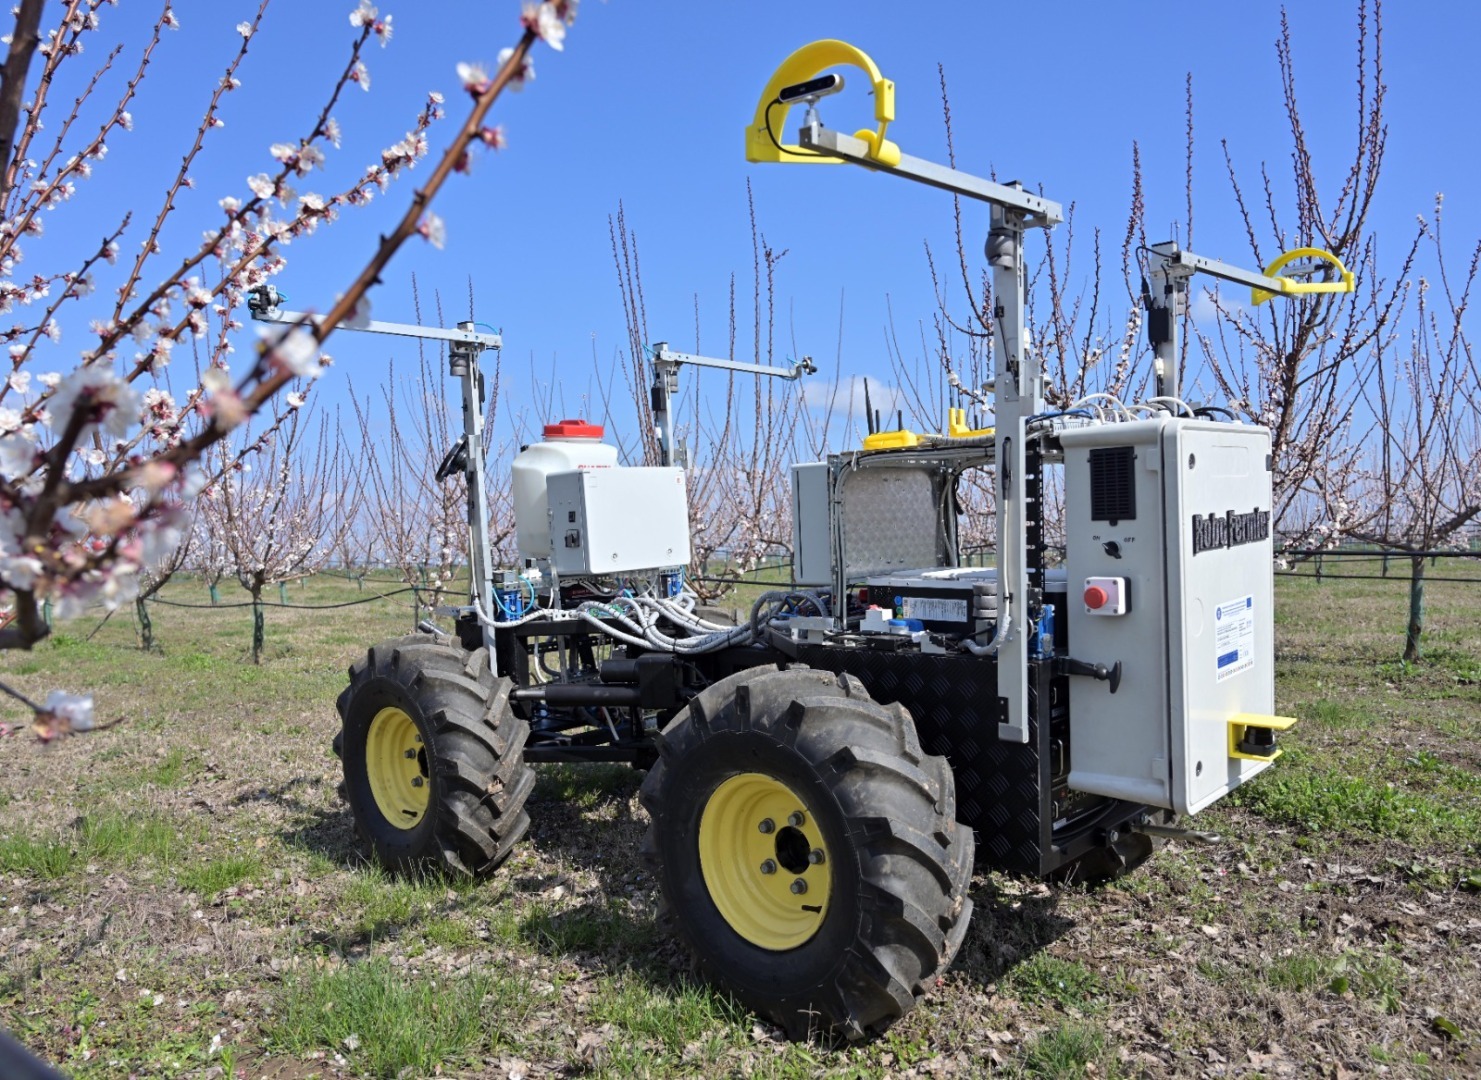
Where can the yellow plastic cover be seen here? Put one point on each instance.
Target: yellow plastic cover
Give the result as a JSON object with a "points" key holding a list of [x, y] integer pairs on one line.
{"points": [[765, 144]]}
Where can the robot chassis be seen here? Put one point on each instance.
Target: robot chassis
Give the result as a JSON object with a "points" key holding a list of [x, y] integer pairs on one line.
{"points": [[824, 773]]}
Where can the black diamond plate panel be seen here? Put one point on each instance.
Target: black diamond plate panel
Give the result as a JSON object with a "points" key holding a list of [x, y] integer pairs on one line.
{"points": [[954, 701]]}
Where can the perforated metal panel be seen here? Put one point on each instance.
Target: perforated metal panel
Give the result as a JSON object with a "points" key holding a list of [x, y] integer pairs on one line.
{"points": [[892, 520]]}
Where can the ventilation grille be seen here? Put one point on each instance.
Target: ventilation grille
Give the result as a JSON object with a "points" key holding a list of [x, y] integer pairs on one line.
{"points": [[1112, 490]]}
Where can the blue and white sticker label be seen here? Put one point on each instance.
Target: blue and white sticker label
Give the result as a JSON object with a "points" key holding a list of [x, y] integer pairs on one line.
{"points": [[1234, 637]]}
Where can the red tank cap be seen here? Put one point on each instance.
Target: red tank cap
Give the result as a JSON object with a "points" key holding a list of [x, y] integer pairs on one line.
{"points": [[573, 429]]}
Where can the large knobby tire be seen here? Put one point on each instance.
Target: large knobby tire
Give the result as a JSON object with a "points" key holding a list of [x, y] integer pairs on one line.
{"points": [[807, 850], [433, 757]]}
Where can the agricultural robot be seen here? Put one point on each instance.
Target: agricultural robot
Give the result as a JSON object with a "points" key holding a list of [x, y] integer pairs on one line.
{"points": [[823, 774]]}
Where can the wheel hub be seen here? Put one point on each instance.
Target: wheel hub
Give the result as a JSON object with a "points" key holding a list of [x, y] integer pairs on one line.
{"points": [[764, 861], [396, 764]]}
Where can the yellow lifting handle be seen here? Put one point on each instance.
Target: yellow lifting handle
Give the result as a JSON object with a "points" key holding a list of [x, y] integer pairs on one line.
{"points": [[763, 142], [1344, 282]]}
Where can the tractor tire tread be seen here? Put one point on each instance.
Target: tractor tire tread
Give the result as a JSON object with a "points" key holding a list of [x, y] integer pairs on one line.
{"points": [[897, 805]]}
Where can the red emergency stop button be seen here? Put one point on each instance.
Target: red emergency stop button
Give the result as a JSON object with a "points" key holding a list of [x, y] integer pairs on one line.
{"points": [[1095, 597]]}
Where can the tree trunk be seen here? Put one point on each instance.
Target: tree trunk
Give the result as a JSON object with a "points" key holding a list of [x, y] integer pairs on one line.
{"points": [[257, 625], [215, 593], [146, 626], [283, 591], [1416, 608]]}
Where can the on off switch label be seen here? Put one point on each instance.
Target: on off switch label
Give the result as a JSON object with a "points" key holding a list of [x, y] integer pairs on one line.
{"points": [[1234, 637]]}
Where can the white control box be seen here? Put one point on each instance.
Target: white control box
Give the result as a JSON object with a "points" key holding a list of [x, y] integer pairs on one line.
{"points": [[1170, 520], [812, 524], [617, 521]]}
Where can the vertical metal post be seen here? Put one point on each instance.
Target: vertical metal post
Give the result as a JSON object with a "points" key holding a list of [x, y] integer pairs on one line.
{"points": [[665, 382], [1020, 394], [1167, 300], [463, 362]]}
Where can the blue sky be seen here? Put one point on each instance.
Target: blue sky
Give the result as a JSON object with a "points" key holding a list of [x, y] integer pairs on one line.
{"points": [[647, 104]]}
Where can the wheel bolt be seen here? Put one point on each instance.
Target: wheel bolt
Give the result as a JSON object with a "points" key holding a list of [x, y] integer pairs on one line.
{"points": [[416, 781], [795, 819], [409, 754], [417, 738], [767, 825], [816, 856], [769, 866], [799, 886]]}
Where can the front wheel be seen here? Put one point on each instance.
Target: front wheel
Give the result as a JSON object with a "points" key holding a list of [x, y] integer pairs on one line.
{"points": [[807, 850], [433, 757]]}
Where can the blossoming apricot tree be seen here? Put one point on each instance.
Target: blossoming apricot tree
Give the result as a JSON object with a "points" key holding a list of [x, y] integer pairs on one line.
{"points": [[99, 459]]}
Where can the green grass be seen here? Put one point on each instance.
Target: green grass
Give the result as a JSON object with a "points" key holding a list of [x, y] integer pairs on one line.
{"points": [[1376, 977], [211, 877], [587, 929], [169, 772], [1337, 714], [1046, 978], [672, 1016], [390, 1023], [111, 838], [1350, 796], [1382, 774], [1068, 1051]]}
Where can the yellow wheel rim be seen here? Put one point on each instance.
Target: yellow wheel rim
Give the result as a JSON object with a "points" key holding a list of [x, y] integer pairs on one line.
{"points": [[396, 762], [764, 861]]}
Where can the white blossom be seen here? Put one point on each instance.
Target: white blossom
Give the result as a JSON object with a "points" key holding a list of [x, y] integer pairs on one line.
{"points": [[296, 352], [115, 404], [473, 77], [526, 72], [547, 25], [434, 230]]}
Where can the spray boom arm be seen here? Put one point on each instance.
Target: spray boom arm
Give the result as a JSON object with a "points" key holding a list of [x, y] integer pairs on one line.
{"points": [[1167, 297], [666, 366], [465, 345]]}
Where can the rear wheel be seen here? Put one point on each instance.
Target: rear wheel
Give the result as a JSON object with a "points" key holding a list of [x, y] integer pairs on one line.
{"points": [[433, 757], [807, 850]]}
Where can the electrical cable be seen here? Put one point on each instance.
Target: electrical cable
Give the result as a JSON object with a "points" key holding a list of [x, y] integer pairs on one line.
{"points": [[771, 134]]}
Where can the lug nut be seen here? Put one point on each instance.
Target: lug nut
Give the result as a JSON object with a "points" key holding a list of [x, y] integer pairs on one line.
{"points": [[799, 886], [767, 825], [795, 819], [416, 781], [417, 738], [769, 866], [409, 754], [816, 856]]}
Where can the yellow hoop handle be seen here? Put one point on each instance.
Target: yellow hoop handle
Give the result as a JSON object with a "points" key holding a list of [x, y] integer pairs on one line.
{"points": [[810, 60], [1344, 283]]}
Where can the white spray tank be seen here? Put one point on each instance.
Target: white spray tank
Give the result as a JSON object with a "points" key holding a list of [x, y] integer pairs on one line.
{"points": [[568, 445]]}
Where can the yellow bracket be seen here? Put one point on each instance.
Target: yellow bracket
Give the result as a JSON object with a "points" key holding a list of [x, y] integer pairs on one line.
{"points": [[891, 440], [1344, 283], [764, 144], [1241, 722], [956, 426]]}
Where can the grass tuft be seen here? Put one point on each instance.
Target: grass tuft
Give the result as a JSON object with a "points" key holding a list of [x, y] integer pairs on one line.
{"points": [[209, 878], [1349, 798], [1070, 1050], [1044, 977], [113, 838], [389, 1023]]}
